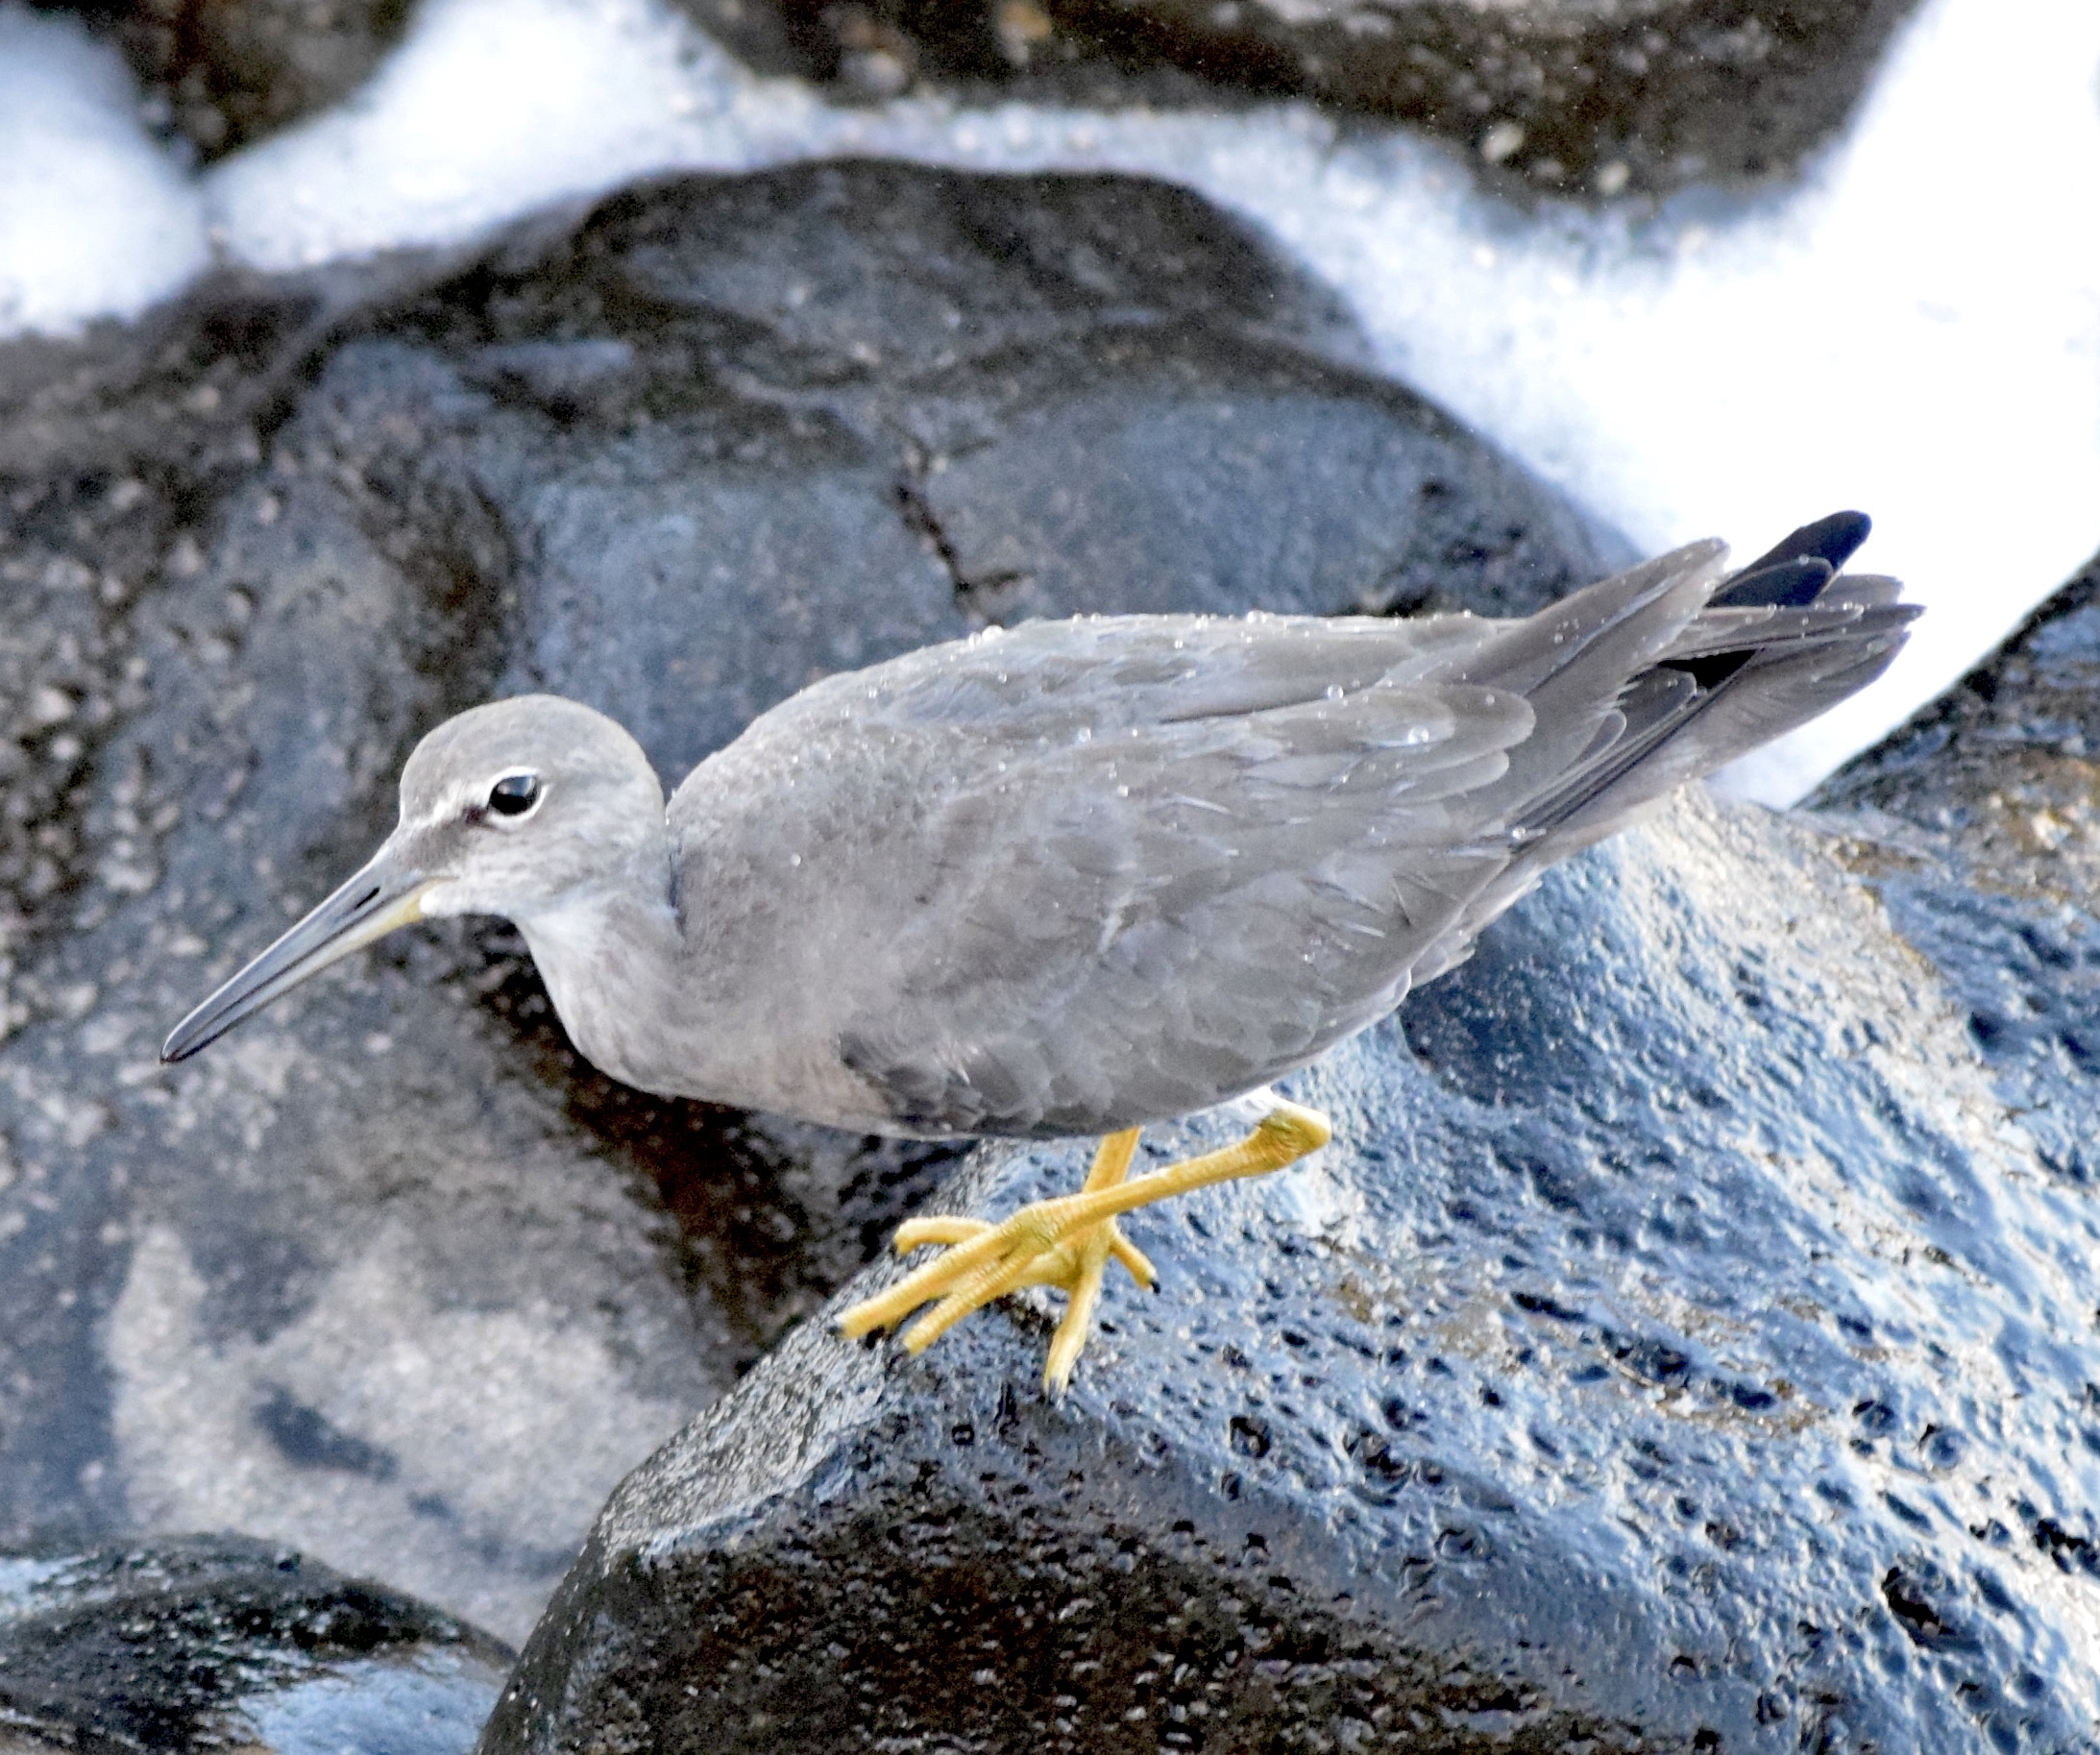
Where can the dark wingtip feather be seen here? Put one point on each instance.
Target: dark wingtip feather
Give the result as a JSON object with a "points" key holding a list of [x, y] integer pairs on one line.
{"points": [[1835, 539], [1738, 681], [1789, 584]]}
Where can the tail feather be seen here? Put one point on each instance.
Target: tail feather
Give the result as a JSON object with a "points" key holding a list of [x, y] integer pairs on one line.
{"points": [[1780, 585], [1754, 655], [1776, 643], [1617, 628], [1868, 589], [1834, 540]]}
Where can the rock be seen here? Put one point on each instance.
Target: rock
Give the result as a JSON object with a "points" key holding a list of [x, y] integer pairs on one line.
{"points": [[1679, 1347], [220, 74], [1595, 97], [390, 1275], [1976, 823], [207, 1642], [1587, 96]]}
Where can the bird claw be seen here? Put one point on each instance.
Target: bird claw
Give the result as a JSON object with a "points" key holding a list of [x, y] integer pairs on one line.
{"points": [[1066, 1242], [1038, 1246], [1060, 1267]]}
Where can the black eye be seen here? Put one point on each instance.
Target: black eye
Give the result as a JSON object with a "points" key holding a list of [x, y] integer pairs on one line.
{"points": [[514, 794]]}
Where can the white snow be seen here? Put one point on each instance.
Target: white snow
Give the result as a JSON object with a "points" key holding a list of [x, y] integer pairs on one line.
{"points": [[94, 220], [1914, 327]]}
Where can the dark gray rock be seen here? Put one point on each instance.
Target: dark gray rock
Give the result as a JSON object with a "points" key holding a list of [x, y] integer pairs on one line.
{"points": [[391, 1274], [1579, 96], [1586, 96], [1680, 1346], [1976, 822], [210, 1642], [219, 74]]}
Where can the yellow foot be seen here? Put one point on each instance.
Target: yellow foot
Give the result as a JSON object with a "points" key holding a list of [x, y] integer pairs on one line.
{"points": [[1044, 1244], [1066, 1242]]}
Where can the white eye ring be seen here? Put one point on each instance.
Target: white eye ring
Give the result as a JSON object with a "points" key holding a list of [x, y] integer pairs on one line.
{"points": [[514, 797]]}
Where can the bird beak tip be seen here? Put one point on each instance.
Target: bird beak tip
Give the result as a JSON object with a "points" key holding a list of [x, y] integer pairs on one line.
{"points": [[366, 909]]}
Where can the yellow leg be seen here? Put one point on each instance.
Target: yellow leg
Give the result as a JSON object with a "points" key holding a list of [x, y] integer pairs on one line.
{"points": [[1066, 1242]]}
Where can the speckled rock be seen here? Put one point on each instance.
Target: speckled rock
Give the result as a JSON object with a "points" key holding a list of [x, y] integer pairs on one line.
{"points": [[1679, 1347], [216, 1642], [1586, 97], [390, 1275], [1979, 824], [219, 74]]}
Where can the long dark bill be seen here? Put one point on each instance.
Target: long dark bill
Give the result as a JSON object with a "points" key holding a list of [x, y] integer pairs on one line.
{"points": [[380, 899]]}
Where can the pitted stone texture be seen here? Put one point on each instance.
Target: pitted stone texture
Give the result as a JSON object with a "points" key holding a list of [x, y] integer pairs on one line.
{"points": [[389, 1274], [210, 1642], [1979, 824], [1677, 1348]]}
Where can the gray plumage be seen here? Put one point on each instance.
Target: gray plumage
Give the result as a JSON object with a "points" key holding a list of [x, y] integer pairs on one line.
{"points": [[1075, 876]]}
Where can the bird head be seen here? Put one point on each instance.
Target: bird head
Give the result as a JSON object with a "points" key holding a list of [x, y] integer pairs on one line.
{"points": [[517, 807]]}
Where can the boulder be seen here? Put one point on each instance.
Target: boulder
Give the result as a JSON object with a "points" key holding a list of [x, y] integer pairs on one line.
{"points": [[1681, 1346], [390, 1275], [1583, 97], [1976, 824], [209, 1642]]}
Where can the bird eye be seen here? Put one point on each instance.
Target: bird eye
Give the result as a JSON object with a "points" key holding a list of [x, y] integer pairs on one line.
{"points": [[514, 794]]}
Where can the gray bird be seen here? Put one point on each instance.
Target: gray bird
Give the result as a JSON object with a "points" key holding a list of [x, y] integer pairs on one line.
{"points": [[1073, 877]]}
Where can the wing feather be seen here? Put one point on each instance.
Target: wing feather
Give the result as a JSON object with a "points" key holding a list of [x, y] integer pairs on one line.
{"points": [[1155, 890], [1114, 869]]}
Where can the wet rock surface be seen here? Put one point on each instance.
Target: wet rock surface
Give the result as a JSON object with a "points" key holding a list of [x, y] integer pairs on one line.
{"points": [[1588, 97], [1681, 1345], [1976, 822], [205, 1643], [217, 75], [390, 1275]]}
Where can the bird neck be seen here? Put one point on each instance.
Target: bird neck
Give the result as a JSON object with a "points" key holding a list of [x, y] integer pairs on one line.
{"points": [[610, 955]]}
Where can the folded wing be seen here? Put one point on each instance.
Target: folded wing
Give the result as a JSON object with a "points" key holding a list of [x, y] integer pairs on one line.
{"points": [[1162, 859]]}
